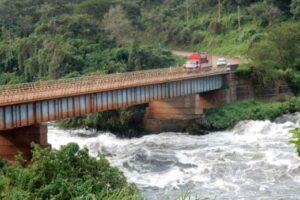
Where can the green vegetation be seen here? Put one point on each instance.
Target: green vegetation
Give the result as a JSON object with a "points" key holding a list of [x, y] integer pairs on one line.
{"points": [[296, 139], [275, 56], [48, 39], [123, 122], [200, 25], [54, 39], [68, 173], [231, 114], [51, 39], [265, 32]]}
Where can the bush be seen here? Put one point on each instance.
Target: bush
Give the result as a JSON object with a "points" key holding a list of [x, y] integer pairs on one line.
{"points": [[68, 173], [293, 78], [296, 139], [10, 78], [230, 114]]}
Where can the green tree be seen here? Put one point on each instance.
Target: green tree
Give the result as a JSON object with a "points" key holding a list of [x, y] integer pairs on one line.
{"points": [[263, 64], [283, 5], [285, 39], [134, 61], [95, 8], [116, 23], [265, 12], [276, 52], [295, 8]]}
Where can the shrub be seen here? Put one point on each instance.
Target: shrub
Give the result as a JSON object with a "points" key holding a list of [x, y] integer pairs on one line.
{"points": [[296, 139], [10, 78], [230, 114], [293, 78], [68, 173]]}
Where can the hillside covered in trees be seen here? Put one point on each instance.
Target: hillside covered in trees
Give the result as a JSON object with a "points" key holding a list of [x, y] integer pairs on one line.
{"points": [[51, 39], [46, 39], [220, 26]]}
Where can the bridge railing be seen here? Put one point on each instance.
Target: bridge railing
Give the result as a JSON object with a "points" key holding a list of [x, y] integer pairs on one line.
{"points": [[95, 83]]}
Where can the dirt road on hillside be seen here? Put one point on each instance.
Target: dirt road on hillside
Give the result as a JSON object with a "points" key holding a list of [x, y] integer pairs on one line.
{"points": [[234, 60]]}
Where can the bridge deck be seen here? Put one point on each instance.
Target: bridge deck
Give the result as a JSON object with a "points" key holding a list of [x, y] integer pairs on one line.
{"points": [[30, 92]]}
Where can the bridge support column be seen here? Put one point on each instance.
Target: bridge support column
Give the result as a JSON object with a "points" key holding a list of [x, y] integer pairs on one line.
{"points": [[222, 96], [231, 87], [172, 114], [15, 141]]}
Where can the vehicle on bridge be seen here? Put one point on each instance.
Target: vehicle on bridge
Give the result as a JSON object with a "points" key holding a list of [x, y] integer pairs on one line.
{"points": [[197, 61]]}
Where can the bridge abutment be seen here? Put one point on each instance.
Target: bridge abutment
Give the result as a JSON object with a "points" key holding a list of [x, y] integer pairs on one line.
{"points": [[15, 141]]}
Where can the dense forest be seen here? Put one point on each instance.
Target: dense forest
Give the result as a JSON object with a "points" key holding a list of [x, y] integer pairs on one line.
{"points": [[225, 26], [46, 39], [55, 39], [51, 39]]}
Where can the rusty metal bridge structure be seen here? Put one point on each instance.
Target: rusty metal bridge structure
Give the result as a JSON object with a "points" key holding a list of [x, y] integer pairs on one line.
{"points": [[32, 103]]}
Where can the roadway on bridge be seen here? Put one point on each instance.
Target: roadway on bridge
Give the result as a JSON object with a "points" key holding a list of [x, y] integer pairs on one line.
{"points": [[45, 90], [231, 60]]}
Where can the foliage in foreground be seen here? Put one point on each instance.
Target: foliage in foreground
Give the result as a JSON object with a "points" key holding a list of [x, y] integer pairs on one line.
{"points": [[68, 173], [296, 139], [229, 115]]}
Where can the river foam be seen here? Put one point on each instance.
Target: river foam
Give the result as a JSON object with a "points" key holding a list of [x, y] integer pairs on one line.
{"points": [[254, 160]]}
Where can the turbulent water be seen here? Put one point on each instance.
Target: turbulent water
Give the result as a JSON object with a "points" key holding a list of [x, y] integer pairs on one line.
{"points": [[252, 161]]}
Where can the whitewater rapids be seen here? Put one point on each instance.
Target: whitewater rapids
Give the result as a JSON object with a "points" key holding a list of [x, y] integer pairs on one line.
{"points": [[254, 160]]}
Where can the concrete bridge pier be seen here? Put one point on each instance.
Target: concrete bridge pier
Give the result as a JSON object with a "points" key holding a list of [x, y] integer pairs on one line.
{"points": [[176, 114], [15, 141], [172, 114], [212, 99]]}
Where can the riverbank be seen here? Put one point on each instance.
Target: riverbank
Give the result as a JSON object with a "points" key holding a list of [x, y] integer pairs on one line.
{"points": [[128, 123], [229, 115], [252, 160], [151, 161]]}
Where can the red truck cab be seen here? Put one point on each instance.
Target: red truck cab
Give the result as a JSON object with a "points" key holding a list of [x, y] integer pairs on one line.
{"points": [[195, 60]]}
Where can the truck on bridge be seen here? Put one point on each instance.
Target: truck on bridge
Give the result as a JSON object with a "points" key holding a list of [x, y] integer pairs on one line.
{"points": [[198, 61]]}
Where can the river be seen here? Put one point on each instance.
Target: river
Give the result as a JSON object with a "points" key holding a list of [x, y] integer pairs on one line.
{"points": [[254, 160]]}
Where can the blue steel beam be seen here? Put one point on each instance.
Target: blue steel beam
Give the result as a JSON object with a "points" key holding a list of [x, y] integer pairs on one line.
{"points": [[20, 115]]}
